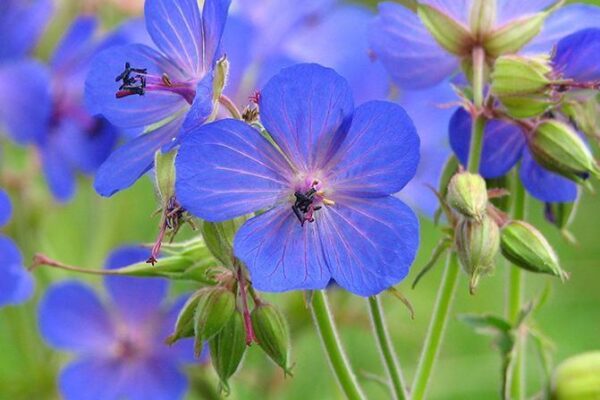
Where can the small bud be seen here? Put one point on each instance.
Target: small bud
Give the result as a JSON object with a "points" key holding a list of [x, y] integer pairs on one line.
{"points": [[220, 78], [477, 243], [577, 378], [557, 147], [482, 17], [526, 247], [218, 237], [467, 194], [272, 333], [510, 38], [529, 106], [450, 34], [164, 168], [227, 349], [184, 325], [213, 311]]}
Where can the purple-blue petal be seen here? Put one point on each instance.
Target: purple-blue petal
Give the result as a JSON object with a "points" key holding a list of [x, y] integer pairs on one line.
{"points": [[503, 144], [380, 153], [510, 10], [409, 53], [545, 185], [227, 169], [25, 100], [75, 43], [5, 208], [577, 56], [458, 10], [214, 15], [21, 24], [137, 299], [280, 254], [16, 285], [72, 317], [133, 159], [58, 171], [368, 244], [131, 111], [239, 54], [202, 107], [305, 109]]}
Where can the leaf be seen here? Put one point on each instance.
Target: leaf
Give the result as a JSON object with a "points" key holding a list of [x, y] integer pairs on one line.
{"points": [[486, 323], [441, 247]]}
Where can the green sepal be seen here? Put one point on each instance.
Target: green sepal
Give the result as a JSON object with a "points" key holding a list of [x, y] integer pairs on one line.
{"points": [[219, 236], [227, 349], [164, 168], [449, 33], [214, 309], [272, 333], [511, 37]]}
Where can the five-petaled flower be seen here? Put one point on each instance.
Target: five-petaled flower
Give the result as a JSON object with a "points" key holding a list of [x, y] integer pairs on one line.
{"points": [[324, 179], [156, 94], [120, 344]]}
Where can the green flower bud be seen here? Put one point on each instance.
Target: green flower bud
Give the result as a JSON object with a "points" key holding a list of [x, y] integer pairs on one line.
{"points": [[482, 17], [213, 311], [227, 349], [511, 37], [184, 325], [220, 77], [578, 378], [477, 244], [557, 147], [272, 333], [450, 34], [218, 237], [467, 194], [164, 168], [526, 247], [529, 106]]}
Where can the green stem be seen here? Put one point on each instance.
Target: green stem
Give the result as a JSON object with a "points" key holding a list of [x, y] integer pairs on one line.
{"points": [[435, 333], [331, 344], [515, 299], [478, 120], [387, 350]]}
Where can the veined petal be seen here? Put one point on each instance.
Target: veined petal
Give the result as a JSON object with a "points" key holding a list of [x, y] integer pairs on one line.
{"points": [[21, 24], [380, 153], [368, 244], [305, 108], [16, 285], [202, 107], [176, 29], [406, 49], [214, 15], [509, 10], [132, 160], [5, 208], [457, 9], [545, 185], [226, 169], [137, 299], [72, 317], [280, 254], [577, 56], [25, 100], [131, 111], [503, 144]]}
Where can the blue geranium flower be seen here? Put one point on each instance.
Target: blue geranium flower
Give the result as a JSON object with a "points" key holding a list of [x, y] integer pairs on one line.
{"points": [[407, 49], [261, 37], [43, 105], [16, 285], [120, 342], [324, 182], [157, 94]]}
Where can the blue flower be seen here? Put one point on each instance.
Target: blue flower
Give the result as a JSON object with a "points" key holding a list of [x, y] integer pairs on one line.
{"points": [[16, 285], [43, 105], [119, 343], [260, 39], [577, 56], [157, 94], [415, 60], [21, 24], [324, 184]]}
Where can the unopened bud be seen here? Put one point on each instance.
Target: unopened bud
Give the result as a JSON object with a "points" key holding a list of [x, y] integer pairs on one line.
{"points": [[482, 17], [184, 325], [450, 34], [477, 243], [557, 147], [227, 349], [577, 378], [467, 194], [272, 333], [218, 237], [526, 247], [164, 172], [510, 38], [213, 311]]}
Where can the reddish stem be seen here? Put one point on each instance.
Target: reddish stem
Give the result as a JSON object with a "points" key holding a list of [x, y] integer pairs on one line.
{"points": [[250, 337]]}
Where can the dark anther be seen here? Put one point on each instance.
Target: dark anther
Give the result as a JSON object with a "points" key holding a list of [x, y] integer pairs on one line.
{"points": [[133, 81], [303, 207]]}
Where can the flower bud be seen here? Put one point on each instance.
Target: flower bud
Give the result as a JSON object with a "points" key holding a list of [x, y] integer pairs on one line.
{"points": [[482, 17], [272, 333], [184, 325], [220, 78], [510, 38], [477, 244], [577, 378], [218, 237], [164, 168], [213, 311], [467, 194], [450, 34], [557, 147], [227, 349], [527, 248]]}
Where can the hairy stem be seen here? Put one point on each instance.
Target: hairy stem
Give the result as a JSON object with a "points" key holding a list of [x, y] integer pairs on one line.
{"points": [[386, 348], [478, 119], [230, 106], [333, 348]]}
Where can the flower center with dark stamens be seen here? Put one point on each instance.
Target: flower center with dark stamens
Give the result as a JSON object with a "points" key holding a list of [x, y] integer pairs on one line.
{"points": [[139, 81], [307, 202]]}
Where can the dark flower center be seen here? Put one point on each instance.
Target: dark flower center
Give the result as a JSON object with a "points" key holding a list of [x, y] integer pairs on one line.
{"points": [[304, 207]]}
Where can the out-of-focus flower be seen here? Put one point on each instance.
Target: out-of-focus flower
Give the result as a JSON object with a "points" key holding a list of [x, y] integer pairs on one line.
{"points": [[156, 94], [325, 187], [119, 343], [21, 24], [261, 37], [16, 285]]}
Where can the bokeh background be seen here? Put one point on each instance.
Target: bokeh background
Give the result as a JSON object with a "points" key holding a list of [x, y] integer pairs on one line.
{"points": [[84, 231]]}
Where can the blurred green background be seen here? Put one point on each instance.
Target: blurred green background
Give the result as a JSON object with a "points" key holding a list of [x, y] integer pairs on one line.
{"points": [[84, 231]]}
